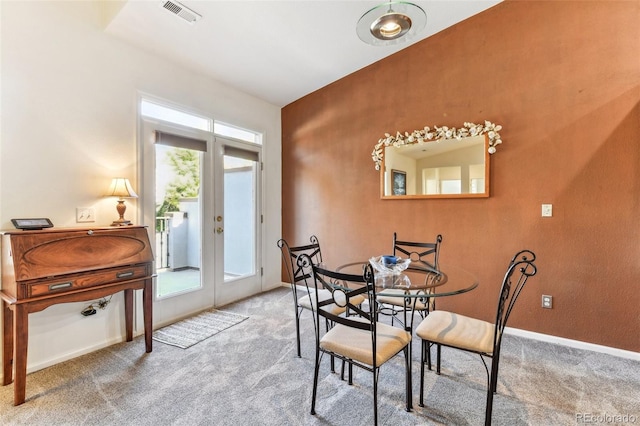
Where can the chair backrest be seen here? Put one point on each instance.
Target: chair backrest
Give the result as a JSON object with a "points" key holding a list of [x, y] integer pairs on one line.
{"points": [[290, 255], [343, 288], [518, 272], [424, 256]]}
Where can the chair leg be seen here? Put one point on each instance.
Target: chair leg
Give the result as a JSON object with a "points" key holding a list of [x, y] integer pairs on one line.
{"points": [[298, 331], [333, 361], [438, 350], [315, 382], [425, 349], [489, 407], [492, 386], [409, 384], [350, 373], [494, 369], [429, 355], [375, 396]]}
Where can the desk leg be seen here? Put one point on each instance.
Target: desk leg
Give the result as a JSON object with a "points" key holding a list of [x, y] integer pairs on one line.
{"points": [[21, 335], [7, 349], [128, 313], [147, 307]]}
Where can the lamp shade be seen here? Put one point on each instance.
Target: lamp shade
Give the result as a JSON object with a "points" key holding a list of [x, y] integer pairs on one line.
{"points": [[121, 187]]}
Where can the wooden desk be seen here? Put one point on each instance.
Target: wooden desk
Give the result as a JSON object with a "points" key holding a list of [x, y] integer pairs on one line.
{"points": [[51, 266]]}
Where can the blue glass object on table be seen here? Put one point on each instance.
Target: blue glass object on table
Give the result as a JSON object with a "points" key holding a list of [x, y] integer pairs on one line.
{"points": [[389, 261]]}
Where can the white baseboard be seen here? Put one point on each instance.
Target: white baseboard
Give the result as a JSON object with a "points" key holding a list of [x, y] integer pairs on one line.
{"points": [[573, 343], [70, 355], [31, 368]]}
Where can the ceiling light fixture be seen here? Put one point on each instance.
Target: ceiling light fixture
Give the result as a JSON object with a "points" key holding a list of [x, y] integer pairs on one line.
{"points": [[391, 23]]}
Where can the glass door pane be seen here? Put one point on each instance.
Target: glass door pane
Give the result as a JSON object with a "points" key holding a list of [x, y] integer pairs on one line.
{"points": [[178, 224], [240, 217]]}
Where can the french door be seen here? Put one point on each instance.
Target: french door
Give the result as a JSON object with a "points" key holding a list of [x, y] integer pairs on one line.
{"points": [[237, 220], [207, 236]]}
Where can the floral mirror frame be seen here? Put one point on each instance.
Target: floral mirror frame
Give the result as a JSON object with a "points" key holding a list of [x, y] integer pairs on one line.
{"points": [[489, 130]]}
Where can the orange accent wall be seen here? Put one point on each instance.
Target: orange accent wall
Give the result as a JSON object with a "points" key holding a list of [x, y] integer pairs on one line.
{"points": [[563, 79]]}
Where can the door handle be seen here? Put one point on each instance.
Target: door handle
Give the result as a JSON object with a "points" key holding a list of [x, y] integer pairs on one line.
{"points": [[219, 230]]}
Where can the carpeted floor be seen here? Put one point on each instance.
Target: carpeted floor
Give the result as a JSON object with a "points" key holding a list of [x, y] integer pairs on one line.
{"points": [[191, 331], [250, 375]]}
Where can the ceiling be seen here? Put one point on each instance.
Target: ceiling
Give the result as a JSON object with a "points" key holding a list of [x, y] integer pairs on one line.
{"points": [[278, 51]]}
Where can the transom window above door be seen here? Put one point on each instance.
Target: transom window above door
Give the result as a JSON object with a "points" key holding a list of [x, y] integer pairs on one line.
{"points": [[172, 115]]}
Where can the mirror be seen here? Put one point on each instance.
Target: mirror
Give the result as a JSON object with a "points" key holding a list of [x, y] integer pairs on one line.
{"points": [[444, 163], [444, 169]]}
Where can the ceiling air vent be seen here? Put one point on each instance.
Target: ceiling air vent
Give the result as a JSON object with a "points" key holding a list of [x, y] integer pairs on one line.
{"points": [[181, 10]]}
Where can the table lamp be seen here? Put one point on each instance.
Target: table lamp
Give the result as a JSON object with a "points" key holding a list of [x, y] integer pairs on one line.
{"points": [[121, 187]]}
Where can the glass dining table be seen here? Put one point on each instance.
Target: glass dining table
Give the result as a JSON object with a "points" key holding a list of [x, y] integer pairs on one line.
{"points": [[416, 284]]}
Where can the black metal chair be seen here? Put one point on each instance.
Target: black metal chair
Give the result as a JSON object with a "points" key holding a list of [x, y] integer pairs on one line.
{"points": [[424, 261], [444, 328], [297, 278], [359, 340]]}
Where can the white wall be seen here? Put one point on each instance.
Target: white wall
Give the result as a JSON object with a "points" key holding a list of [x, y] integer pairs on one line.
{"points": [[179, 239], [192, 208], [68, 125]]}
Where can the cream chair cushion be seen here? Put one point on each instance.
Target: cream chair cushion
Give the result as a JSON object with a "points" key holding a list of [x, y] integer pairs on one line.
{"points": [[458, 331], [356, 344], [323, 294], [393, 296]]}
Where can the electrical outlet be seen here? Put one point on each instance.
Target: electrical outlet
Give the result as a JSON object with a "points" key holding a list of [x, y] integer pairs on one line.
{"points": [[85, 214], [547, 210], [547, 301]]}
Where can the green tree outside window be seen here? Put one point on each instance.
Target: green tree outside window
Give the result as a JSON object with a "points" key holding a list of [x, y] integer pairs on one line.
{"points": [[185, 164]]}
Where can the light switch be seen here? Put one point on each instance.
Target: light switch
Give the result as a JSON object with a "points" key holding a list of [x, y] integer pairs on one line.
{"points": [[85, 214], [547, 210]]}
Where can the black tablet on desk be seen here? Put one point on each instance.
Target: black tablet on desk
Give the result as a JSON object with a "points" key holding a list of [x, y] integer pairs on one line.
{"points": [[32, 224]]}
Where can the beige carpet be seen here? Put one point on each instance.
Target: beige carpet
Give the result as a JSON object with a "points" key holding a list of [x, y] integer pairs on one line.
{"points": [[250, 375]]}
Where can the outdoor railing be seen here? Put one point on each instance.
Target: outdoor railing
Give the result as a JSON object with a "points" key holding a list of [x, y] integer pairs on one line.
{"points": [[162, 242]]}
